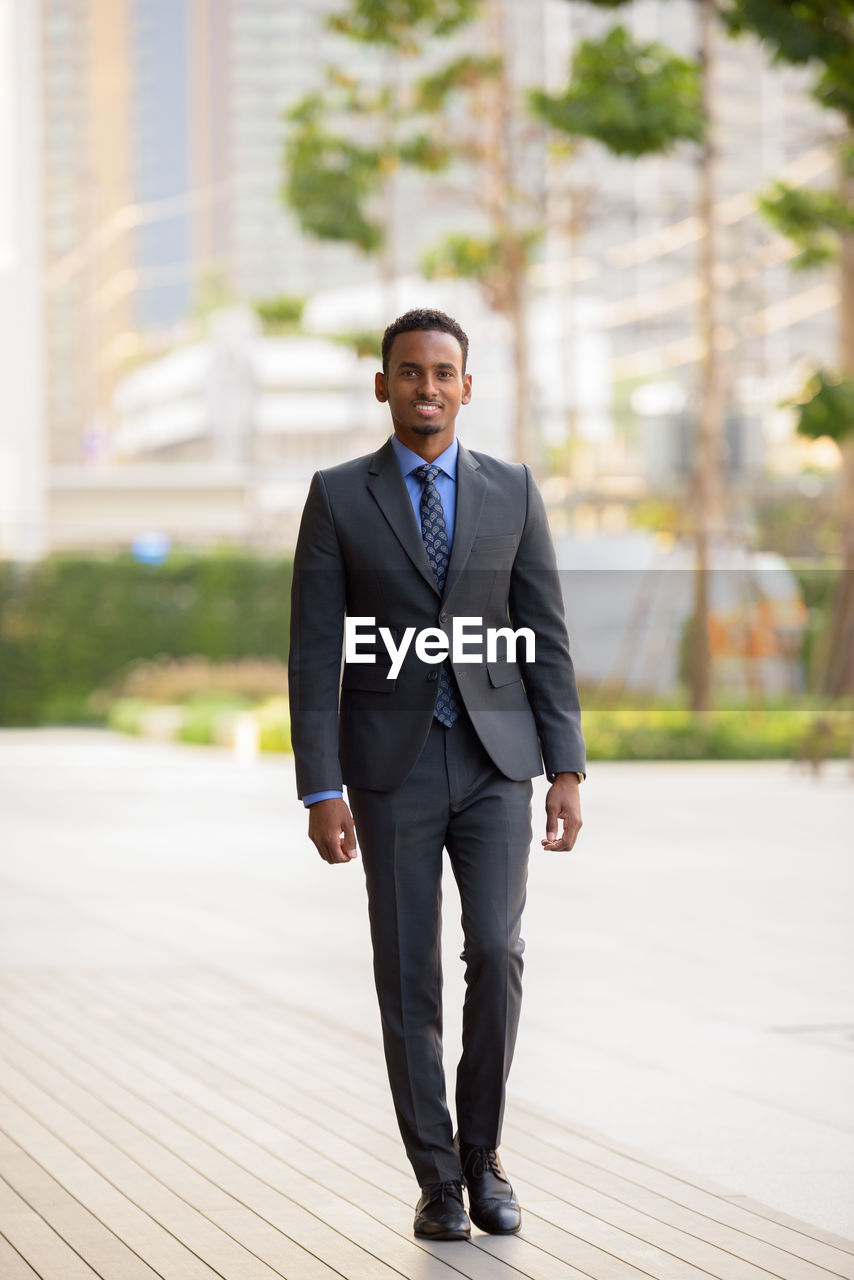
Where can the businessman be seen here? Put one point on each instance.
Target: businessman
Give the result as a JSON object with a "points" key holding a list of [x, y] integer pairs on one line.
{"points": [[431, 568]]}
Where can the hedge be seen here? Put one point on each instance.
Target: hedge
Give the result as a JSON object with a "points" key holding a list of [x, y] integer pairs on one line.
{"points": [[811, 734], [71, 624]]}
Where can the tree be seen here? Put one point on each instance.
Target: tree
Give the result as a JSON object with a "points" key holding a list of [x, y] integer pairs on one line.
{"points": [[820, 34], [637, 100], [346, 143], [489, 139]]}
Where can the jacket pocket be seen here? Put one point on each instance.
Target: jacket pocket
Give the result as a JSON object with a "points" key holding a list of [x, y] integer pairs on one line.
{"points": [[494, 542], [502, 673]]}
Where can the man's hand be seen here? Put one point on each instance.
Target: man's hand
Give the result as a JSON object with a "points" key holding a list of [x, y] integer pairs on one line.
{"points": [[562, 804], [331, 830]]}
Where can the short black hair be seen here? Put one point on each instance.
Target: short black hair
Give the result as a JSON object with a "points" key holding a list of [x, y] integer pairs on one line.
{"points": [[424, 318]]}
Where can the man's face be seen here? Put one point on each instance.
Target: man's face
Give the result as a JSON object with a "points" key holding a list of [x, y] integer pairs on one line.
{"points": [[424, 387]]}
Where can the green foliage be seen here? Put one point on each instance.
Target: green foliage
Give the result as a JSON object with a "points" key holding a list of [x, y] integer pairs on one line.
{"points": [[402, 24], [282, 314], [635, 98], [345, 143], [799, 527], [468, 72], [472, 257], [799, 30], [203, 721], [620, 733], [425, 153], [489, 260], [72, 624], [826, 406], [819, 583], [751, 734], [206, 720], [805, 31], [196, 678], [331, 179], [365, 342], [812, 218]]}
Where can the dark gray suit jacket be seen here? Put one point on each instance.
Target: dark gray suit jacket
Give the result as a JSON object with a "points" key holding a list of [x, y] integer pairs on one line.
{"points": [[360, 551]]}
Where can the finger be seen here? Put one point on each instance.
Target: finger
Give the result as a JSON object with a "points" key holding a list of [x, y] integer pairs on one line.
{"points": [[348, 838], [571, 828], [336, 850], [552, 815]]}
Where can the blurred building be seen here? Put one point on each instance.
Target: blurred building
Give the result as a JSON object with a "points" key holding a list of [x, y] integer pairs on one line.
{"points": [[217, 441], [163, 129], [162, 168], [88, 193], [22, 444]]}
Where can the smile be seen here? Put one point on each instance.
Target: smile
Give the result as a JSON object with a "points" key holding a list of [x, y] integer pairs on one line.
{"points": [[426, 409]]}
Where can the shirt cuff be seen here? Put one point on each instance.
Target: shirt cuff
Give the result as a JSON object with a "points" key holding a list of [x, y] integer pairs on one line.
{"points": [[321, 795]]}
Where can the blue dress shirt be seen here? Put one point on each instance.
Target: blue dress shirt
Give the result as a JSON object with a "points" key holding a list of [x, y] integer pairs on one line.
{"points": [[446, 484]]}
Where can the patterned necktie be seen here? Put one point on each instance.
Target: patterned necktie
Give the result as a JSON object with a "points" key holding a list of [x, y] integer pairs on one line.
{"points": [[435, 536]]}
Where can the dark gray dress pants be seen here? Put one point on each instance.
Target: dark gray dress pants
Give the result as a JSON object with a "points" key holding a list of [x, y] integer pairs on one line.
{"points": [[454, 799]]}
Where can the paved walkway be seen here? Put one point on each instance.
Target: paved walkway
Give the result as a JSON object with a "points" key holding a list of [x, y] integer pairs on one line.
{"points": [[190, 1078]]}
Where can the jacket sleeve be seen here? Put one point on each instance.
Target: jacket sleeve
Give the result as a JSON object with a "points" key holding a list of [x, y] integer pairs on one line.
{"points": [[318, 595], [536, 601]]}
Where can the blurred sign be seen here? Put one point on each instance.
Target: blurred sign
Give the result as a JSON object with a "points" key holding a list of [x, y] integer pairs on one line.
{"points": [[151, 547]]}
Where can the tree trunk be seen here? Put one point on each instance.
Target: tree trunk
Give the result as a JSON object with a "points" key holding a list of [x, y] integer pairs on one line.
{"points": [[840, 669], [523, 436], [513, 258], [707, 453]]}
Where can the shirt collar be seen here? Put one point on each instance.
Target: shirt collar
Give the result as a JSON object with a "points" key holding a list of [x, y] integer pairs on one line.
{"points": [[408, 461]]}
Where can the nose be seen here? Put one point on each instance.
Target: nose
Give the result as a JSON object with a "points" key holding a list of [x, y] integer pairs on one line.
{"points": [[428, 385]]}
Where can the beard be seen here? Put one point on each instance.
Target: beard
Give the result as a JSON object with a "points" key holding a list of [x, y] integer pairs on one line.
{"points": [[427, 429]]}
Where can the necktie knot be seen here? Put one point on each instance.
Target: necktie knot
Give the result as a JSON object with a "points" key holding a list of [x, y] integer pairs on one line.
{"points": [[427, 472]]}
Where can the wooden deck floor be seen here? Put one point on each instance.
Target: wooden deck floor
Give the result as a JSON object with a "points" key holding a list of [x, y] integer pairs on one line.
{"points": [[180, 1125]]}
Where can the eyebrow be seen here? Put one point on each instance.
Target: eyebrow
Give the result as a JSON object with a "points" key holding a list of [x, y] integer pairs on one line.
{"points": [[411, 364]]}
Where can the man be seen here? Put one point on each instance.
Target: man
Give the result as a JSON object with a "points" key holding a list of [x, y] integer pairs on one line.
{"points": [[436, 751]]}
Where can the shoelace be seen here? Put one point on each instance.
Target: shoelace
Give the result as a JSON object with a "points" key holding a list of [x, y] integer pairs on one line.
{"points": [[446, 1188], [485, 1160]]}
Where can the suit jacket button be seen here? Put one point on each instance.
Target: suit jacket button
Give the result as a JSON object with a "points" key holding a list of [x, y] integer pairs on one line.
{"points": [[443, 617]]}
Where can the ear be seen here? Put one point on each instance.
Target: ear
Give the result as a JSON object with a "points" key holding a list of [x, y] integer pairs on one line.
{"points": [[466, 396], [379, 388]]}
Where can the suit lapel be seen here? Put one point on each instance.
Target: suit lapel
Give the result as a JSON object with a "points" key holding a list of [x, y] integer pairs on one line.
{"points": [[390, 493], [471, 492]]}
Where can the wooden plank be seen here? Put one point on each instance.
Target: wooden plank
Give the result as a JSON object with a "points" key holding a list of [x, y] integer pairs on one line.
{"points": [[540, 1265], [544, 1265], [44, 1249], [244, 1045], [155, 1224], [87, 1234], [634, 1168], [199, 1230], [12, 1265], [274, 1188], [606, 1266], [699, 1238], [700, 1235], [766, 1239]]}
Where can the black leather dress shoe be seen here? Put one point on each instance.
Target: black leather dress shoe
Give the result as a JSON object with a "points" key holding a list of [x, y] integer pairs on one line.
{"points": [[492, 1202], [440, 1213]]}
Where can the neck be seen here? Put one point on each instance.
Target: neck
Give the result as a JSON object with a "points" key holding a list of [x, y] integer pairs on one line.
{"points": [[427, 447]]}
